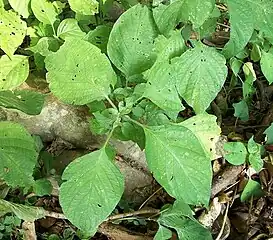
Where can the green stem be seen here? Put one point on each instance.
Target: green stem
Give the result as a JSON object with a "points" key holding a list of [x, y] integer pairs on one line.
{"points": [[108, 137], [134, 121], [111, 103]]}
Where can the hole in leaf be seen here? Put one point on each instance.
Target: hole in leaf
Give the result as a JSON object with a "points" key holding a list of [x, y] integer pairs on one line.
{"points": [[3, 79], [77, 65], [99, 205], [171, 178], [210, 149], [42, 10], [194, 124]]}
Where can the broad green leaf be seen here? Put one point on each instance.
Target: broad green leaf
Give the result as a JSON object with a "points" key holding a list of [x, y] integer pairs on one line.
{"points": [[18, 155], [163, 233], [235, 153], [27, 101], [69, 28], [267, 65], [254, 158], [200, 75], [241, 110], [175, 156], [97, 188], [252, 188], [44, 11], [160, 88], [196, 11], [250, 77], [185, 225], [242, 26], [12, 31], [75, 82], [85, 7], [45, 46], [99, 37], [23, 212], [21, 6], [167, 17], [269, 134], [205, 128], [13, 72], [235, 65], [42, 187], [130, 46]]}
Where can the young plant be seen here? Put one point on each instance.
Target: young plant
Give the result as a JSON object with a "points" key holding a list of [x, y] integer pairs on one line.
{"points": [[136, 73]]}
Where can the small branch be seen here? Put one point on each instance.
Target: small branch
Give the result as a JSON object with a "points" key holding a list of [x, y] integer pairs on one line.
{"points": [[134, 121], [111, 102], [131, 214], [55, 215], [224, 223], [148, 199]]}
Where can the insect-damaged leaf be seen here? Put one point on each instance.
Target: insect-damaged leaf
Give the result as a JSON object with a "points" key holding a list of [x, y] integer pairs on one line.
{"points": [[76, 82]]}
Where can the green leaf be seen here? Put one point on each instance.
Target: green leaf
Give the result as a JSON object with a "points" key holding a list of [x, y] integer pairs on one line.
{"points": [[180, 218], [163, 233], [196, 11], [166, 17], [74, 82], [103, 121], [27, 101], [45, 46], [254, 158], [133, 132], [252, 188], [18, 155], [97, 188], [241, 26], [22, 7], [250, 77], [269, 134], [235, 153], [130, 45], [160, 88], [200, 75], [85, 7], [205, 128], [99, 37], [69, 28], [241, 110], [174, 155], [13, 72], [42, 187], [44, 11], [13, 31], [209, 26], [24, 212], [267, 65], [255, 53]]}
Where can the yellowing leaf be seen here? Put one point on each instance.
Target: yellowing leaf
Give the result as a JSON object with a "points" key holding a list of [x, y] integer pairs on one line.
{"points": [[205, 128], [44, 11], [12, 31], [85, 7], [13, 72], [20, 6]]}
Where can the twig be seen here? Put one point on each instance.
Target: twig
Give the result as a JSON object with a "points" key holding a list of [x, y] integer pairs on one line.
{"points": [[55, 215], [131, 214], [221, 7], [223, 25], [143, 204], [224, 223]]}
